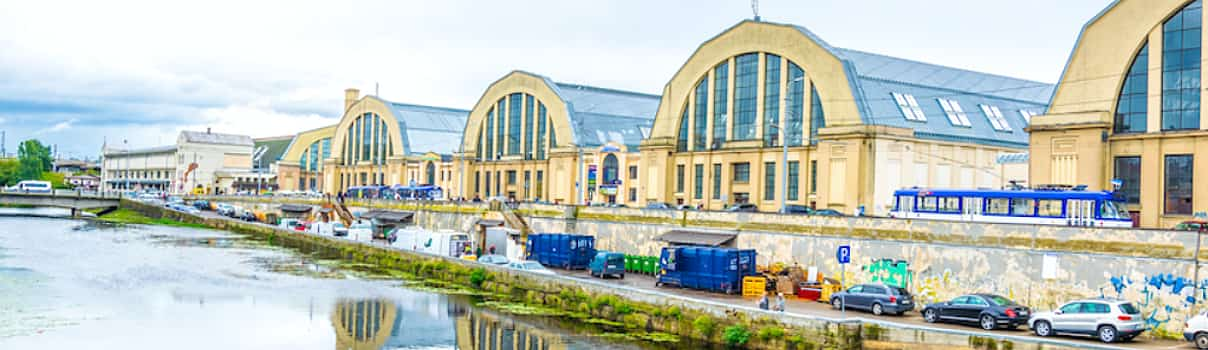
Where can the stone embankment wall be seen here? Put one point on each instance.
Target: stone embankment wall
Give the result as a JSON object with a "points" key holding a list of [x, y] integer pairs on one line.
{"points": [[1041, 266]]}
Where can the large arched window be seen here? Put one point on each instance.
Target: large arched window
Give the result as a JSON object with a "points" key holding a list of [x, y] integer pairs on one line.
{"points": [[1181, 57], [313, 156], [610, 168], [516, 125], [1133, 104], [704, 121]]}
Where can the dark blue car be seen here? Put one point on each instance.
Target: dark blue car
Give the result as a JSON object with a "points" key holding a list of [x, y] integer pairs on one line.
{"points": [[877, 298]]}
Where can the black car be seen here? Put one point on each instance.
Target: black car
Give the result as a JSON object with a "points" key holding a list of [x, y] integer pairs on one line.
{"points": [[743, 208], [986, 310], [826, 212], [795, 209]]}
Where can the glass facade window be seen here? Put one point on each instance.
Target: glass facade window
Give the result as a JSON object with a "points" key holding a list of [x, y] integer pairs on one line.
{"points": [[746, 88], [716, 194], [1178, 184], [681, 144], [702, 115], [817, 116], [1181, 69], [541, 130], [633, 172], [771, 101], [610, 168], [367, 135], [490, 139], [813, 176], [477, 183], [383, 138], [794, 171], [721, 94], [741, 172], [540, 180], [514, 119], [795, 116], [499, 127], [679, 178], [994, 115], [511, 177], [1128, 171], [698, 173], [956, 114], [909, 106], [769, 181], [528, 127], [488, 184], [1133, 105]]}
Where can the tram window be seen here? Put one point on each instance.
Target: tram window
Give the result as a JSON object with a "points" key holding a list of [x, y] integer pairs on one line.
{"points": [[1050, 207], [998, 206], [927, 204], [906, 203], [950, 204], [1023, 206]]}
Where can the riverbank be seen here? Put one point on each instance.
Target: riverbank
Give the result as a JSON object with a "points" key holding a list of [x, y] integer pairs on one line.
{"points": [[128, 216]]}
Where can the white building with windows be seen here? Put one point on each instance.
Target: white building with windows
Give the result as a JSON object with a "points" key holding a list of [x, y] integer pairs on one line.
{"points": [[193, 165]]}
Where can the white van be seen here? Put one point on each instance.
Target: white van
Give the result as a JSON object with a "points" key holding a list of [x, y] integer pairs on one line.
{"points": [[443, 242], [33, 186]]}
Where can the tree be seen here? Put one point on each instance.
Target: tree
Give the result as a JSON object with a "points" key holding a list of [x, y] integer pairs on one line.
{"points": [[34, 158], [9, 172]]}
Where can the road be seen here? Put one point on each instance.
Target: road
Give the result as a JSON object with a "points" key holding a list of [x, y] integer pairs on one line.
{"points": [[910, 320]]}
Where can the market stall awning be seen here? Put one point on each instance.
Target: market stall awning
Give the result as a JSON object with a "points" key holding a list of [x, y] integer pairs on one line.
{"points": [[295, 208], [488, 222], [699, 238], [388, 215]]}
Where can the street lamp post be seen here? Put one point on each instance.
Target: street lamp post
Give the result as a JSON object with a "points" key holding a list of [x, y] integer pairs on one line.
{"points": [[784, 153]]}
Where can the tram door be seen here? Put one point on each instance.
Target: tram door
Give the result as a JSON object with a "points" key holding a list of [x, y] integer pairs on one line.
{"points": [[971, 208], [1080, 212]]}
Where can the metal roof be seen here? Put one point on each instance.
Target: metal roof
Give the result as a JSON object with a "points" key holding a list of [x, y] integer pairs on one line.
{"points": [[429, 129], [873, 77], [698, 238], [216, 138], [138, 151], [601, 115], [274, 148]]}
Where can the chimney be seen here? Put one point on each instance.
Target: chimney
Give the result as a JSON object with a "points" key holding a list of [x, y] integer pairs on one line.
{"points": [[207, 130], [350, 95]]}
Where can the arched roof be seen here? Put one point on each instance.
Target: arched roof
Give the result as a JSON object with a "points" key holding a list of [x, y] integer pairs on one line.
{"points": [[421, 129], [585, 116], [856, 86]]}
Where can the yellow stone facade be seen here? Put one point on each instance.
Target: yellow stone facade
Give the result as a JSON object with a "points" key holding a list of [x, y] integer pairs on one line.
{"points": [[290, 175], [1077, 142]]}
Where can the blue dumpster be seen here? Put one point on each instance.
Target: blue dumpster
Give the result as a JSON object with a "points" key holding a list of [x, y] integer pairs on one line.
{"points": [[706, 268], [567, 251]]}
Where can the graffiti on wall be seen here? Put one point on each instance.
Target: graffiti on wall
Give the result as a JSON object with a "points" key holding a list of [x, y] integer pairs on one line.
{"points": [[890, 272], [1162, 298]]}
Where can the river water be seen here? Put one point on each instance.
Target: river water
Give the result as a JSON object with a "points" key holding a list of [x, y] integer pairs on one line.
{"points": [[75, 284]]}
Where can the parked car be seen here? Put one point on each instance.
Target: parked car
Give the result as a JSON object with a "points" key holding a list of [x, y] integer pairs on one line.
{"points": [[877, 298], [743, 208], [795, 209], [493, 259], [1196, 330], [1108, 319], [1192, 225], [288, 223], [224, 209], [685, 207], [606, 264], [659, 205], [201, 204], [530, 266], [986, 310], [826, 212]]}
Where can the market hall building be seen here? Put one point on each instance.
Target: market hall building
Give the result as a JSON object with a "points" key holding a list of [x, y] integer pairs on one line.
{"points": [[1129, 107], [857, 125], [532, 139]]}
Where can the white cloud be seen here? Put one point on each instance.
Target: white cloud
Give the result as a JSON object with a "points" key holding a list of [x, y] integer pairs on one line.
{"points": [[254, 121], [60, 126]]}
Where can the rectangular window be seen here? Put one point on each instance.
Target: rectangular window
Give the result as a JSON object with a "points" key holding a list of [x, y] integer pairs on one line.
{"points": [[477, 178], [994, 115], [746, 81], [633, 194], [633, 172], [716, 194], [1049, 207], [1181, 60], [1128, 171], [1178, 184], [742, 172], [1027, 115], [540, 180], [698, 173], [488, 184], [794, 120], [514, 118], [541, 131], [1023, 207], [998, 206], [813, 176], [679, 178], [527, 183], [721, 94], [701, 122], [909, 106], [794, 168], [528, 129], [498, 184], [511, 177], [771, 101], [928, 203], [956, 115], [769, 181], [950, 204]]}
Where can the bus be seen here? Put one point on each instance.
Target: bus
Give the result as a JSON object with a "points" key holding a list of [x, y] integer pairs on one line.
{"points": [[33, 186], [1013, 206]]}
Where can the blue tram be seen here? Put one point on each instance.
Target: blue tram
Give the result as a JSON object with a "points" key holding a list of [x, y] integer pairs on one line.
{"points": [[1023, 206]]}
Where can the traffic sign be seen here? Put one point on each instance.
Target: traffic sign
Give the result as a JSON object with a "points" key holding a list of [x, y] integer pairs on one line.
{"points": [[843, 254]]}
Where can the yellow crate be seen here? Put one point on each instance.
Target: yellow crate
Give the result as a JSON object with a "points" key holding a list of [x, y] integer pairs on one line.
{"points": [[754, 286], [827, 290]]}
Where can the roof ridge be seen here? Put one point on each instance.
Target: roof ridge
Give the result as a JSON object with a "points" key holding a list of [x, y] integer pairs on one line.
{"points": [[590, 87], [450, 109], [966, 70]]}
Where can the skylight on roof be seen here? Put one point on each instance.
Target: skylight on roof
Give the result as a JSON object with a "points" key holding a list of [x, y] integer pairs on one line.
{"points": [[994, 115], [956, 115], [1027, 115], [910, 107]]}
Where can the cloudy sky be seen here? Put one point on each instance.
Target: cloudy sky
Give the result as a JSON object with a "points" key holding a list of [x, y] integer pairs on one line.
{"points": [[77, 74]]}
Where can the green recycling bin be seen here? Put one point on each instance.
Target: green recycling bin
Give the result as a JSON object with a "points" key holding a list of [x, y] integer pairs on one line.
{"points": [[630, 265], [650, 265]]}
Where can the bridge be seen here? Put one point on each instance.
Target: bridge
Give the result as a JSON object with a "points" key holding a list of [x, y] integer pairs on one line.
{"points": [[73, 200]]}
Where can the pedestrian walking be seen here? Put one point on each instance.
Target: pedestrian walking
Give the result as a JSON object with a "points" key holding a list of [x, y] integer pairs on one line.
{"points": [[763, 301], [780, 302]]}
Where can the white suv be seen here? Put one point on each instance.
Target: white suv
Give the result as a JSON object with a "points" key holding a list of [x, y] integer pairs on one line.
{"points": [[1108, 319], [1196, 330]]}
